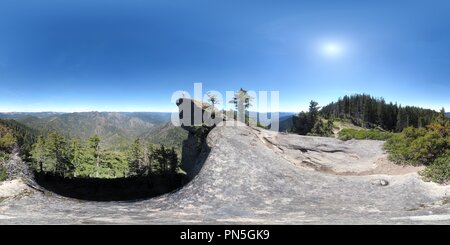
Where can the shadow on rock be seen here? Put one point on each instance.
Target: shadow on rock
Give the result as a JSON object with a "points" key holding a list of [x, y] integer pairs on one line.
{"points": [[120, 189]]}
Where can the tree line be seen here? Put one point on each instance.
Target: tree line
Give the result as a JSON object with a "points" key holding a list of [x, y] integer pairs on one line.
{"points": [[59, 156], [312, 122], [369, 112]]}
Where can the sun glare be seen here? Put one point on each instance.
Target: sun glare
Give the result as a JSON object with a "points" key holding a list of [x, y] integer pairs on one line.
{"points": [[332, 49]]}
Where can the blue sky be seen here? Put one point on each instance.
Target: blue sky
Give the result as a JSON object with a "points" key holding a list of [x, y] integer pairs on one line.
{"points": [[132, 55]]}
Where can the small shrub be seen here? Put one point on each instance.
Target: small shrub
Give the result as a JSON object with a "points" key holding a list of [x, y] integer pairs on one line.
{"points": [[347, 134], [258, 124], [4, 156], [439, 170], [427, 146], [345, 137], [3, 174], [321, 128], [417, 146]]}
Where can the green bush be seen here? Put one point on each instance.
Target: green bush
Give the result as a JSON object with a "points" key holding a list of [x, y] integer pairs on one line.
{"points": [[345, 137], [417, 146], [347, 134], [3, 174], [4, 156], [258, 124], [430, 147], [439, 170], [7, 140], [322, 129]]}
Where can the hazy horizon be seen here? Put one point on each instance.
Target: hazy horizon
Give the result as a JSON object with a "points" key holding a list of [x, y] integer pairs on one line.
{"points": [[64, 112]]}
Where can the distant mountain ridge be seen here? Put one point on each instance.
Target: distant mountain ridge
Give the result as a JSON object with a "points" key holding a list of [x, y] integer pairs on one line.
{"points": [[447, 114], [16, 115], [116, 129]]}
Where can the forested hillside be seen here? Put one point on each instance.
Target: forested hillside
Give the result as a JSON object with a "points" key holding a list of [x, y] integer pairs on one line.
{"points": [[67, 158], [367, 111], [14, 136], [166, 134], [150, 117], [116, 129], [94, 144], [24, 137]]}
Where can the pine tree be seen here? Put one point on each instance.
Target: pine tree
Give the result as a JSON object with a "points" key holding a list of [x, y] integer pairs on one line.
{"points": [[77, 157], [162, 158], [305, 121], [442, 118], [242, 101], [93, 152], [149, 159], [300, 123], [38, 154], [56, 151], [213, 99], [313, 113], [166, 159], [173, 160], [322, 129], [136, 158]]}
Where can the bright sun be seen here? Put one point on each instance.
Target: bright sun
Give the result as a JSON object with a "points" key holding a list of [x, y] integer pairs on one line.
{"points": [[332, 49]]}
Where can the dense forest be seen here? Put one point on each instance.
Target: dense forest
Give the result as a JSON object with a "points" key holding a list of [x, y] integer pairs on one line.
{"points": [[52, 153], [64, 157], [90, 169], [369, 112], [364, 111]]}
